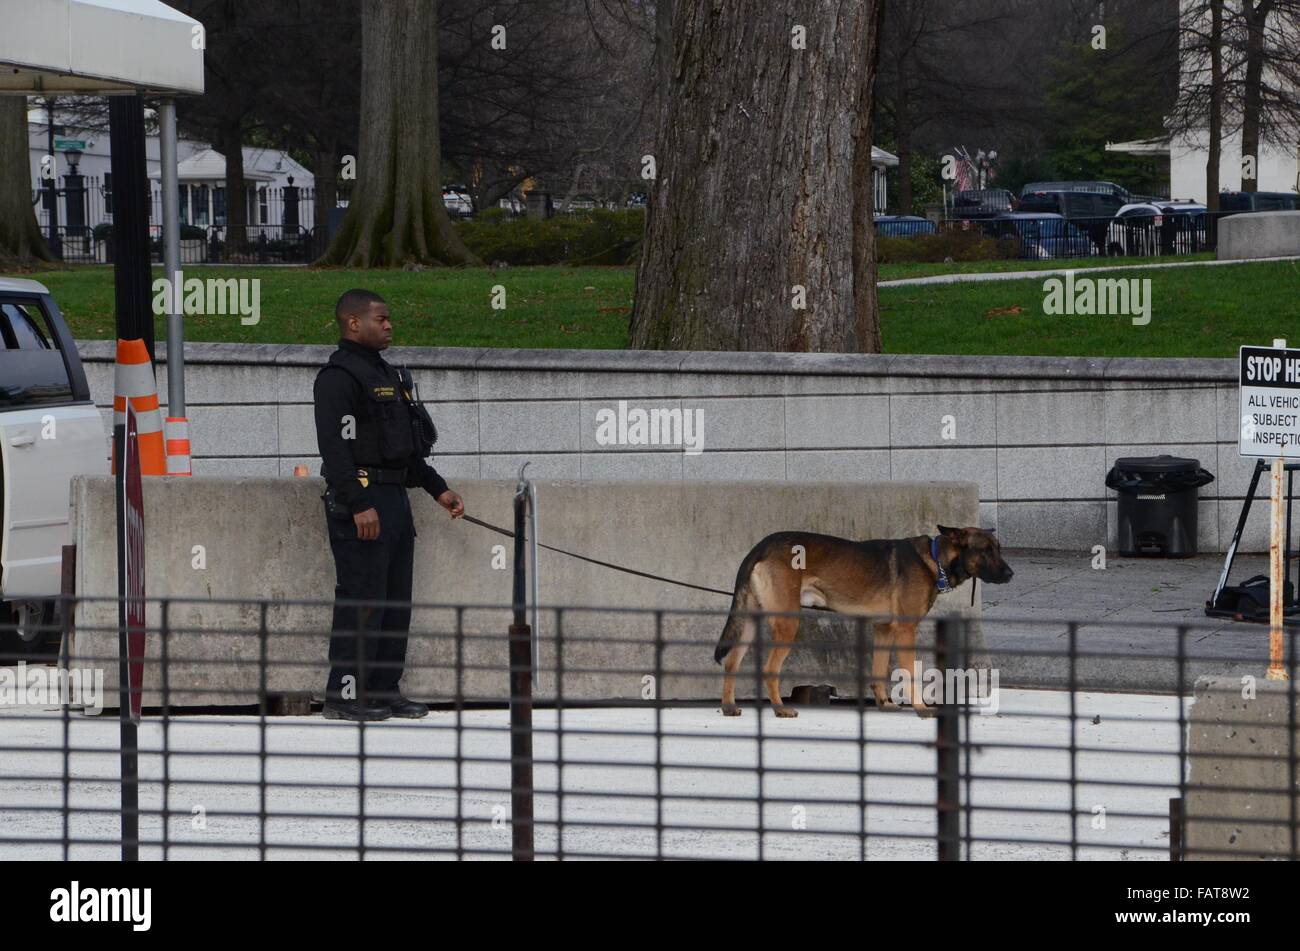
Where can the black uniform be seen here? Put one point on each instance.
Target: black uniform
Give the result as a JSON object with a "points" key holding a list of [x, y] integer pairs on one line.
{"points": [[371, 466]]}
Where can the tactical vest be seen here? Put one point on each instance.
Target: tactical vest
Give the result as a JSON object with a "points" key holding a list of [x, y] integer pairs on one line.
{"points": [[391, 425]]}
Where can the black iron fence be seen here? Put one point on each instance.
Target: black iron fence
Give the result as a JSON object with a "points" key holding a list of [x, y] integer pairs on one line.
{"points": [[279, 230], [614, 745], [1042, 237]]}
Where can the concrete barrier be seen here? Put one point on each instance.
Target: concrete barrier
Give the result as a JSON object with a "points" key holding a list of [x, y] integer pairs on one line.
{"points": [[263, 538], [1263, 234], [1238, 805], [1037, 434]]}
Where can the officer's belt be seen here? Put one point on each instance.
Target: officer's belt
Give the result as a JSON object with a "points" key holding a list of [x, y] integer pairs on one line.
{"points": [[377, 475]]}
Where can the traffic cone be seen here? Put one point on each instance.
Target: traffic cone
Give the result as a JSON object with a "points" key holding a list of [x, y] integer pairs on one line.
{"points": [[177, 429], [133, 380]]}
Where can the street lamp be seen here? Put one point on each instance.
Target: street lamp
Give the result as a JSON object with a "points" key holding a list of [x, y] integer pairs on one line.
{"points": [[74, 191]]}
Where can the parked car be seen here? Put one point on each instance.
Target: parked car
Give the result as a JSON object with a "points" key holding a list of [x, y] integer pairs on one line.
{"points": [[1092, 211], [903, 226], [982, 203], [1042, 236], [1166, 227], [50, 431], [1100, 188], [1258, 201], [457, 201]]}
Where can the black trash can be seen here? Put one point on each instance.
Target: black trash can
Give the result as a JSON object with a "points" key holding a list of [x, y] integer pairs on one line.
{"points": [[1157, 504]]}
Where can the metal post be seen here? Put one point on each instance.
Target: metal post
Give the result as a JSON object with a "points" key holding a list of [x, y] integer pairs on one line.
{"points": [[128, 735], [1275, 593], [947, 631], [521, 697], [56, 244], [171, 226], [132, 279]]}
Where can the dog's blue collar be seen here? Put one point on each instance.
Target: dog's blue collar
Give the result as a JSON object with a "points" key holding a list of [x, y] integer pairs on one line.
{"points": [[942, 582]]}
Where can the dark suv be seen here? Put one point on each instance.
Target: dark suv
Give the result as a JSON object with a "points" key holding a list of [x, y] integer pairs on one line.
{"points": [[1258, 201], [1100, 188], [982, 203], [1092, 211]]}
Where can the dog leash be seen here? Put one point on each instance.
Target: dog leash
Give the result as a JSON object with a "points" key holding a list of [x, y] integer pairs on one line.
{"points": [[631, 571], [597, 561]]}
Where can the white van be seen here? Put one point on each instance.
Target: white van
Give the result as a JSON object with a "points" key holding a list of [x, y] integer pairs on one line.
{"points": [[50, 431]]}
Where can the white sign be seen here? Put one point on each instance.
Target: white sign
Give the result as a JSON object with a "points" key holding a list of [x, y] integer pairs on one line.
{"points": [[1269, 379]]}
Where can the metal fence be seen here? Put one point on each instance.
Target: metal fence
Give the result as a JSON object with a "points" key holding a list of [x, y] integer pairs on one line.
{"points": [[1057, 238], [613, 745], [279, 228]]}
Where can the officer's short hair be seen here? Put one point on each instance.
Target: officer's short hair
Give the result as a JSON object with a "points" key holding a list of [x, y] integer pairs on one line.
{"points": [[354, 303]]}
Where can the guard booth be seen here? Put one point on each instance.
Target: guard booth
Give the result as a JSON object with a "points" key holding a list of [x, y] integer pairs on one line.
{"points": [[124, 49]]}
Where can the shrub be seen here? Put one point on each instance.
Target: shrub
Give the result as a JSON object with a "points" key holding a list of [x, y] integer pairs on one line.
{"points": [[104, 232], [599, 236], [958, 245]]}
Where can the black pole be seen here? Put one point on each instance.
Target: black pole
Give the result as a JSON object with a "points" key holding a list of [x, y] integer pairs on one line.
{"points": [[52, 183], [947, 742], [521, 701], [131, 276], [128, 747]]}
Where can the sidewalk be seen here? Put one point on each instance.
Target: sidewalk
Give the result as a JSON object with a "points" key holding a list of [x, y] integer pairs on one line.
{"points": [[1057, 272], [1052, 588]]}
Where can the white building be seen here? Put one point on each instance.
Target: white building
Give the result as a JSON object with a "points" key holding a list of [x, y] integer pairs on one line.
{"points": [[881, 162], [202, 174], [1278, 162]]}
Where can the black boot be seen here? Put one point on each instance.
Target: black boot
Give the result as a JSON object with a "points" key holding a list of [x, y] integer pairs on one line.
{"points": [[411, 709], [357, 712]]}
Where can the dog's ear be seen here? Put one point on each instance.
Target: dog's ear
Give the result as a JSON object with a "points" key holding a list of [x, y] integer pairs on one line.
{"points": [[958, 536]]}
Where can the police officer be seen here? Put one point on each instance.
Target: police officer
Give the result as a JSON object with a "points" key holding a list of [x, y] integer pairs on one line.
{"points": [[374, 439]]}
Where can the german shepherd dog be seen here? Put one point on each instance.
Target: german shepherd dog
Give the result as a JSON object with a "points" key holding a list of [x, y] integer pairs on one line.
{"points": [[894, 579]]}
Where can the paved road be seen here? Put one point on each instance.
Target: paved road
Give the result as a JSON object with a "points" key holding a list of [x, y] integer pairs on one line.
{"points": [[1126, 599], [417, 800]]}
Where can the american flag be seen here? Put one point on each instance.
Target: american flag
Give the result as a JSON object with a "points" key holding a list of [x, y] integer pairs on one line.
{"points": [[966, 171]]}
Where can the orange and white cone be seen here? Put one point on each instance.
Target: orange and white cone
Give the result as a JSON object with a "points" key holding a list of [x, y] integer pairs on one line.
{"points": [[177, 429], [133, 380]]}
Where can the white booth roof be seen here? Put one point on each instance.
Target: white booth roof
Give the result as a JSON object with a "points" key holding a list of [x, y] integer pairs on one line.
{"points": [[100, 46]]}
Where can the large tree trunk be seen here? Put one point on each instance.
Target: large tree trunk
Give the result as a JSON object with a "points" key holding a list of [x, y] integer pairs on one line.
{"points": [[751, 243], [1255, 15], [326, 195], [396, 212], [21, 242], [1216, 106]]}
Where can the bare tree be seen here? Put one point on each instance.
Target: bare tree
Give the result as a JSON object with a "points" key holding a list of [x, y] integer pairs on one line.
{"points": [[396, 214], [1216, 105], [766, 127], [934, 65], [1269, 31]]}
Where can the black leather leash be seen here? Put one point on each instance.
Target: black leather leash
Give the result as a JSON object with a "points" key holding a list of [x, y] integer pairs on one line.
{"points": [[630, 571], [597, 561]]}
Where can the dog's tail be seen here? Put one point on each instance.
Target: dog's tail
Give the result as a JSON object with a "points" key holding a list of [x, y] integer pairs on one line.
{"points": [[742, 600]]}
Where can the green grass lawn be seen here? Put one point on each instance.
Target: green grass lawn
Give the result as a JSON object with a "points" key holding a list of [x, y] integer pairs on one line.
{"points": [[1206, 312], [1195, 312], [585, 307]]}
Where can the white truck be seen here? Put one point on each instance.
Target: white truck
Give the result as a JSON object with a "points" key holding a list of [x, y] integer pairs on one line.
{"points": [[50, 431]]}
